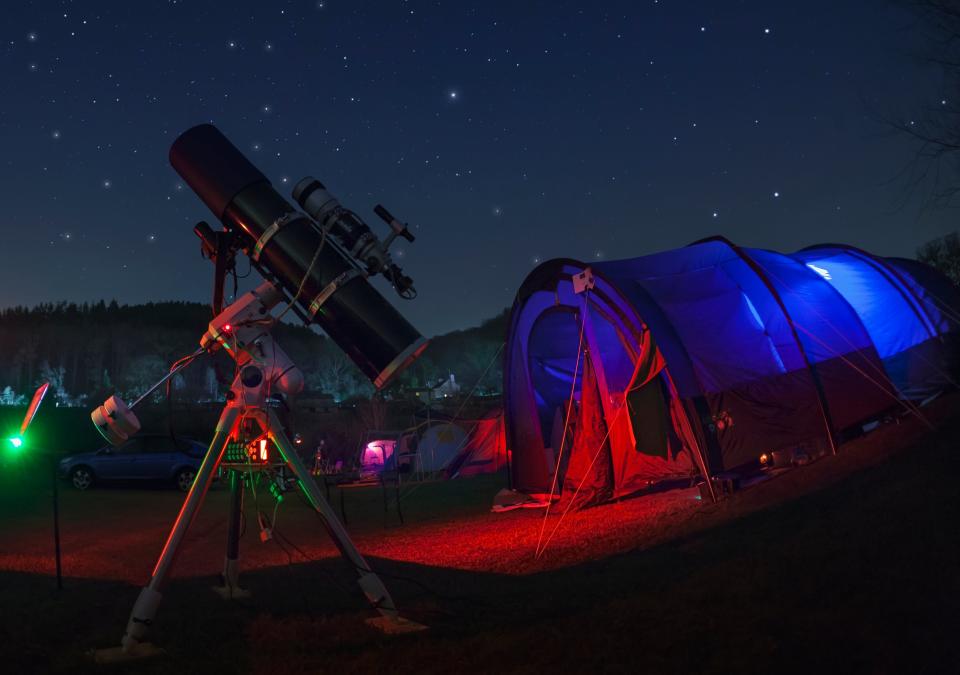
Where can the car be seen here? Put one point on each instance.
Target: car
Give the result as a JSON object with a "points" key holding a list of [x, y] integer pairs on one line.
{"points": [[146, 457]]}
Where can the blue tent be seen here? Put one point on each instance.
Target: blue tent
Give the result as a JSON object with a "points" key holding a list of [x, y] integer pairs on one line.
{"points": [[700, 359]]}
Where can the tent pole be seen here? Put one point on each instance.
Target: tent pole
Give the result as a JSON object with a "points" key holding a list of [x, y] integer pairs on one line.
{"points": [[818, 384]]}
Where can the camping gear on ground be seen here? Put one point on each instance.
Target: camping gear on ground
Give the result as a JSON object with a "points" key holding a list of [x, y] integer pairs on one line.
{"points": [[698, 360]]}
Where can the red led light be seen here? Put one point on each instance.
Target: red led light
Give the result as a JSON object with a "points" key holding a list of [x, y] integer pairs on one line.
{"points": [[263, 449]]}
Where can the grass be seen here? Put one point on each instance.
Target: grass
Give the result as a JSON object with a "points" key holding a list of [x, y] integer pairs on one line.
{"points": [[848, 565]]}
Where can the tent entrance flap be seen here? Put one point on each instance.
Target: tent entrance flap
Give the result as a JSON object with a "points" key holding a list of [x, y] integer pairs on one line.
{"points": [[648, 417]]}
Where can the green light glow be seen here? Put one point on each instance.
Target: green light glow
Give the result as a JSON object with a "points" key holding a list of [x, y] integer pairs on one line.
{"points": [[16, 442]]}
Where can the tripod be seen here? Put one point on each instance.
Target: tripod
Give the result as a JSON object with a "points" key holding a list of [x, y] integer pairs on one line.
{"points": [[243, 330]]}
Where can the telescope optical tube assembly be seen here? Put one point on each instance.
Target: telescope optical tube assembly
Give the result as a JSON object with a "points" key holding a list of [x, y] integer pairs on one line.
{"points": [[336, 293]]}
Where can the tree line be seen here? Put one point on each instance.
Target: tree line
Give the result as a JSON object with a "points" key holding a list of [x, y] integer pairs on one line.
{"points": [[88, 351]]}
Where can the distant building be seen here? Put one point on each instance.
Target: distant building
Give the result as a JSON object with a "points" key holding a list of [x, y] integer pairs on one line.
{"points": [[445, 389]]}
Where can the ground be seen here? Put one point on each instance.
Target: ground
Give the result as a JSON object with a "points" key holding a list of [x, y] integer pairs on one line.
{"points": [[846, 565]]}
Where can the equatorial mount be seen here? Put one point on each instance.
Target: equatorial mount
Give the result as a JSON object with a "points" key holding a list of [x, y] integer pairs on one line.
{"points": [[248, 422]]}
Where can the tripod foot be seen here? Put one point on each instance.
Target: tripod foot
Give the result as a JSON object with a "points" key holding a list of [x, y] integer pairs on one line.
{"points": [[394, 625], [231, 592], [229, 588], [137, 652]]}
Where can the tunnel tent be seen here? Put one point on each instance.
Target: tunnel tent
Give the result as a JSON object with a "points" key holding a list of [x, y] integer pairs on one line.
{"points": [[703, 358]]}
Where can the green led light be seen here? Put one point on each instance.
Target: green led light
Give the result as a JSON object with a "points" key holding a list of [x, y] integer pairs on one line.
{"points": [[15, 442]]}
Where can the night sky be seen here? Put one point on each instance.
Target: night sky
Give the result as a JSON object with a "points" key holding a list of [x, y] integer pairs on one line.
{"points": [[505, 132]]}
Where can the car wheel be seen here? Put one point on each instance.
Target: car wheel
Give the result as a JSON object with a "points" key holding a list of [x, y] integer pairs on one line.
{"points": [[185, 479], [81, 478]]}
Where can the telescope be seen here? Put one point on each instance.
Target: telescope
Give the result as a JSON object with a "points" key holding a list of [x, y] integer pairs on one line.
{"points": [[322, 258], [318, 265]]}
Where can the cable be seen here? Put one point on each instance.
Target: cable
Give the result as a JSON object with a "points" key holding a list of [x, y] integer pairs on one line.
{"points": [[306, 275], [186, 360]]}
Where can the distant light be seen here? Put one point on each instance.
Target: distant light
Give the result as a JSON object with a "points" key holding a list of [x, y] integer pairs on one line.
{"points": [[776, 194], [819, 270], [766, 31]]}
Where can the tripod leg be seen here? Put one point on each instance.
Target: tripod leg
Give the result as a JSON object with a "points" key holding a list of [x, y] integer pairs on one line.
{"points": [[231, 564], [148, 601], [369, 582]]}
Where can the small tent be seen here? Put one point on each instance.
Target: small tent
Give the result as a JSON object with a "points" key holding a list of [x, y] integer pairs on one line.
{"points": [[439, 445], [700, 359], [485, 450], [379, 452]]}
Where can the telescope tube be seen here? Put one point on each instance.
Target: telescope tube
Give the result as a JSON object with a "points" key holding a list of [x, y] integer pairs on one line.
{"points": [[356, 316]]}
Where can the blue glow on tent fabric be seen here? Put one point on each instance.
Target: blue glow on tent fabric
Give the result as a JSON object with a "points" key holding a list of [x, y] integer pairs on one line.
{"points": [[893, 325], [756, 317], [737, 349]]}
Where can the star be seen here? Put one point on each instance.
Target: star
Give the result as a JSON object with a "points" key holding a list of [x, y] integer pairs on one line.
{"points": [[766, 31], [31, 36], [55, 134], [452, 95], [151, 238], [107, 184], [776, 194]]}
